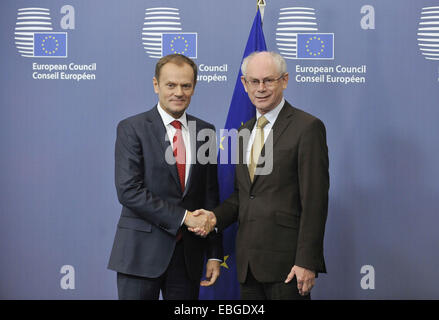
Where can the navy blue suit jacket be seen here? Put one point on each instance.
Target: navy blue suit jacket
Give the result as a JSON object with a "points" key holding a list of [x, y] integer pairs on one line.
{"points": [[153, 204]]}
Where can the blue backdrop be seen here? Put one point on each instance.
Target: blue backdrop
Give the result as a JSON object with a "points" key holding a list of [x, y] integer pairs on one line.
{"points": [[377, 93]]}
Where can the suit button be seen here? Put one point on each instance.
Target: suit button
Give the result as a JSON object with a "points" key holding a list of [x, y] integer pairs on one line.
{"points": [[252, 196]]}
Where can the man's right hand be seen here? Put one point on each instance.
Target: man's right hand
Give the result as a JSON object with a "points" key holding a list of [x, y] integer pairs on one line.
{"points": [[201, 222]]}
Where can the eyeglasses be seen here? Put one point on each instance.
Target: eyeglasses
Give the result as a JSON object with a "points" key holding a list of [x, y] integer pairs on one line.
{"points": [[268, 83]]}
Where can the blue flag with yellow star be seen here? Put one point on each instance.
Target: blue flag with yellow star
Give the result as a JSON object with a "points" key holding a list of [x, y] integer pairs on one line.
{"points": [[50, 44], [184, 43], [241, 110], [315, 45]]}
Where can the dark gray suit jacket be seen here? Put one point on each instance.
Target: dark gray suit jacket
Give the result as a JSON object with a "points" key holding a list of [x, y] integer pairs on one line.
{"points": [[153, 204], [281, 216]]}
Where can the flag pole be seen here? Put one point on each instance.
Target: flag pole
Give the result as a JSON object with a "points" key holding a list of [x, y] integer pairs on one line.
{"points": [[240, 111], [261, 6]]}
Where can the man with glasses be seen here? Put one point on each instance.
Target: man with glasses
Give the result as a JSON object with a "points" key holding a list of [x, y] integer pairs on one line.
{"points": [[281, 213]]}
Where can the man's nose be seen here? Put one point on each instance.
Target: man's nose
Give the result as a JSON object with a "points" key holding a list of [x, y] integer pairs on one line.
{"points": [[178, 91], [261, 86]]}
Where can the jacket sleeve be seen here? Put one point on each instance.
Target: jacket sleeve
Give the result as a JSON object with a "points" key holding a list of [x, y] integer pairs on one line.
{"points": [[131, 189], [313, 170], [227, 213]]}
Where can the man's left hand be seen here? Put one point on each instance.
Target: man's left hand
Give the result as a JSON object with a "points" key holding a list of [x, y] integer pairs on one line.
{"points": [[305, 279], [212, 273]]}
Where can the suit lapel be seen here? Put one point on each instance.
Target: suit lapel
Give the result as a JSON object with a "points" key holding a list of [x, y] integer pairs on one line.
{"points": [[243, 144], [159, 131], [282, 122]]}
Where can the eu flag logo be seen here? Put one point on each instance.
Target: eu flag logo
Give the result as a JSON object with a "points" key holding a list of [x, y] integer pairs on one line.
{"points": [[50, 44], [315, 46], [181, 43]]}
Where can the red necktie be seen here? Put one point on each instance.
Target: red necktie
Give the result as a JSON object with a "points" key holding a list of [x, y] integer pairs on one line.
{"points": [[179, 152], [180, 156]]}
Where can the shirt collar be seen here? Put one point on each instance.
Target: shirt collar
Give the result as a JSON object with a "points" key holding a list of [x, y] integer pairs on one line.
{"points": [[271, 115], [167, 118]]}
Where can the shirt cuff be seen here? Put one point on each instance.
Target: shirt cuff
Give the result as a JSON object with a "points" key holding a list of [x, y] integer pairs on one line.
{"points": [[184, 217]]}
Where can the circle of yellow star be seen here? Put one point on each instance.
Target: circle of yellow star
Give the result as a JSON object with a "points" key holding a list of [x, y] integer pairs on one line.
{"points": [[172, 45], [322, 46], [44, 43]]}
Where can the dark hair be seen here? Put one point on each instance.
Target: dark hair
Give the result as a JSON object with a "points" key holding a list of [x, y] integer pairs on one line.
{"points": [[179, 60]]}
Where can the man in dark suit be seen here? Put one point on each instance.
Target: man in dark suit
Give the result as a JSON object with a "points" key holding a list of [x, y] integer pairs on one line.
{"points": [[281, 204], [159, 181]]}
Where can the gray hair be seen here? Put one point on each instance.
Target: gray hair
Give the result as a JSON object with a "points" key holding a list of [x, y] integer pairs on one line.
{"points": [[277, 59]]}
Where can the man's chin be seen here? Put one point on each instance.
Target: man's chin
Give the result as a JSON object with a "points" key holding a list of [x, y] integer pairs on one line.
{"points": [[177, 111], [178, 106], [263, 107]]}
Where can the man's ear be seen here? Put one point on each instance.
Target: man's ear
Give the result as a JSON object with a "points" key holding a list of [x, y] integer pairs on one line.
{"points": [[244, 83], [156, 85], [285, 80]]}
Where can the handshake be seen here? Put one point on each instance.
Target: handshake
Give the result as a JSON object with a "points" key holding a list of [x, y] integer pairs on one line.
{"points": [[201, 222]]}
